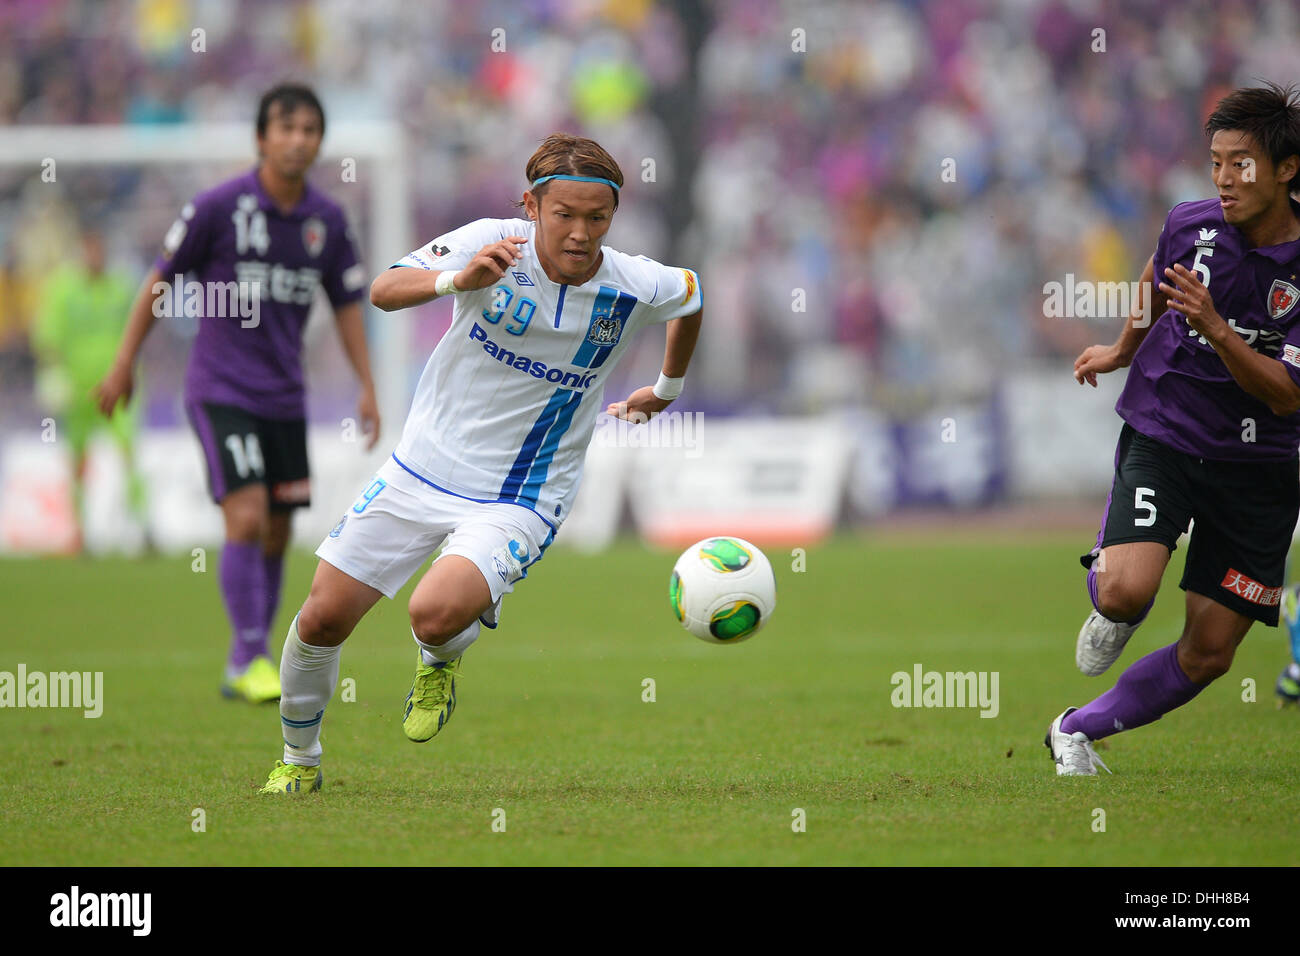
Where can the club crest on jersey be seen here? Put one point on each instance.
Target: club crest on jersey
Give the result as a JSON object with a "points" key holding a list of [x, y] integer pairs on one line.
{"points": [[1281, 298], [605, 331], [313, 236]]}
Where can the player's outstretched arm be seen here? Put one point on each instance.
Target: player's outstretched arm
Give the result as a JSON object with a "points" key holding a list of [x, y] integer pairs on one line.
{"points": [[407, 286], [352, 332], [644, 404], [1099, 359], [119, 383], [402, 287]]}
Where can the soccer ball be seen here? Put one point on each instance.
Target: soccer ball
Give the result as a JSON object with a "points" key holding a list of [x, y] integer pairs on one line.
{"points": [[722, 590]]}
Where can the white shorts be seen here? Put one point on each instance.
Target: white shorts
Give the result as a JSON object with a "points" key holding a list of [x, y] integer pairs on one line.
{"points": [[399, 520]]}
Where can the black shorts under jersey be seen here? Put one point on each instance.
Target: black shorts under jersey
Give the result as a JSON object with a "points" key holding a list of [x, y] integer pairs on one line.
{"points": [[1244, 513], [241, 449]]}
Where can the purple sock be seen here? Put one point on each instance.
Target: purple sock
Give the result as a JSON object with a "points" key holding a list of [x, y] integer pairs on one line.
{"points": [[243, 586], [1092, 593], [1149, 689], [273, 572]]}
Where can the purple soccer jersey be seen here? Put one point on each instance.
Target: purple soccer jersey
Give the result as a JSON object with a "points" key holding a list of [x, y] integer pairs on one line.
{"points": [[234, 233], [1179, 392]]}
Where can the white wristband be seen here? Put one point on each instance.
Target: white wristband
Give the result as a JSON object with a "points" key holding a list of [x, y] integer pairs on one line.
{"points": [[445, 284], [668, 388]]}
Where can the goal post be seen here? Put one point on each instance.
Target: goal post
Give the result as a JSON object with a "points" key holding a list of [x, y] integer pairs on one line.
{"points": [[378, 147]]}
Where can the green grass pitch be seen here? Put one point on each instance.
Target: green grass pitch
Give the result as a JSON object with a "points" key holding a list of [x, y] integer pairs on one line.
{"points": [[552, 737]]}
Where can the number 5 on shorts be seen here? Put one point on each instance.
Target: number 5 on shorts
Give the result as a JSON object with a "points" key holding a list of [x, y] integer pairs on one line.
{"points": [[1140, 504]]}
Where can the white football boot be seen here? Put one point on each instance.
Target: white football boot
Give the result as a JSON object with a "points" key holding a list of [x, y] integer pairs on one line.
{"points": [[1100, 643], [1073, 753]]}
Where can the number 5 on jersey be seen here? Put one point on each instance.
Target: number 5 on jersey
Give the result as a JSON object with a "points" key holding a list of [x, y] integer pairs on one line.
{"points": [[1202, 270]]}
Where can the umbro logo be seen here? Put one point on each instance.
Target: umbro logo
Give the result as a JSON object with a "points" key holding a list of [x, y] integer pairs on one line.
{"points": [[522, 278]]}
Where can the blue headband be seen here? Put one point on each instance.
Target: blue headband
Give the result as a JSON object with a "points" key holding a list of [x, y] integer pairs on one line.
{"points": [[577, 179]]}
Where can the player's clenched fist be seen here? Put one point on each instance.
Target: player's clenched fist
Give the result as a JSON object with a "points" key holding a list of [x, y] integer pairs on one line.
{"points": [[490, 263], [641, 406]]}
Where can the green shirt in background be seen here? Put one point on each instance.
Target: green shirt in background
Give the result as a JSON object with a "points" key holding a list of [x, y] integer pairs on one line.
{"points": [[80, 324]]}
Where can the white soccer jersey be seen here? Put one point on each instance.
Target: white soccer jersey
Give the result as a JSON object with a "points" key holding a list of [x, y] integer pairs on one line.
{"points": [[508, 400]]}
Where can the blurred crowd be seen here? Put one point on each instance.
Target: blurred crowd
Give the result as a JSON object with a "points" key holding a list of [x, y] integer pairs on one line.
{"points": [[874, 193]]}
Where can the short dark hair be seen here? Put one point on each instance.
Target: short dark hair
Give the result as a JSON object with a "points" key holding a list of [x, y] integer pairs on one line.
{"points": [[567, 155], [1269, 113], [290, 96]]}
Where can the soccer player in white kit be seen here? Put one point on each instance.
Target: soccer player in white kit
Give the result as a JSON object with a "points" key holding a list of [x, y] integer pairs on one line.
{"points": [[492, 452]]}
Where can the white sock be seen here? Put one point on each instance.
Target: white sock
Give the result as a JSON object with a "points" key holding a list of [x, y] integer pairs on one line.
{"points": [[308, 676], [445, 653]]}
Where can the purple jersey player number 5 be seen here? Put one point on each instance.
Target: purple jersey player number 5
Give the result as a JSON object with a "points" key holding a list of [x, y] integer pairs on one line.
{"points": [[1179, 391]]}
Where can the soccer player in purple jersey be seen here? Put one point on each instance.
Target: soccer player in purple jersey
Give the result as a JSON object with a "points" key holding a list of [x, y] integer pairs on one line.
{"points": [[259, 246], [1210, 432]]}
